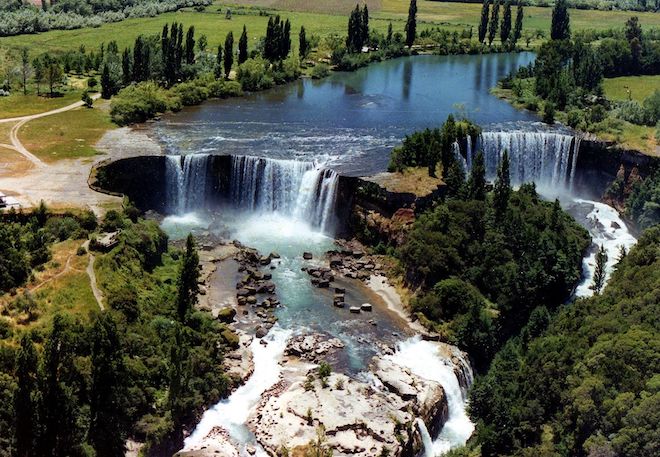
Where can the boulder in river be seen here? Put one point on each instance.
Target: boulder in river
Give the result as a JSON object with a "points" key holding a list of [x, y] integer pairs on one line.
{"points": [[307, 255], [366, 307]]}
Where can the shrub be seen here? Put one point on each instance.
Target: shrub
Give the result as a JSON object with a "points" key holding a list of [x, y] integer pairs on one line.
{"points": [[224, 89], [320, 70], [191, 93], [575, 118], [549, 113], [652, 107], [254, 75], [139, 102], [62, 228], [112, 221], [634, 113]]}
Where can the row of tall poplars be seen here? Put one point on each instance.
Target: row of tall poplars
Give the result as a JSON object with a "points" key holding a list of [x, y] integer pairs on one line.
{"points": [[490, 23]]}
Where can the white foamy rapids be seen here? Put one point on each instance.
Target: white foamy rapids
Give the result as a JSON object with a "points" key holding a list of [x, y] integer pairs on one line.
{"points": [[424, 360], [232, 413], [547, 158], [607, 229], [304, 191]]}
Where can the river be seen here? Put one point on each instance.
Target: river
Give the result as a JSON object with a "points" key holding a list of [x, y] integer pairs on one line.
{"points": [[284, 197]]}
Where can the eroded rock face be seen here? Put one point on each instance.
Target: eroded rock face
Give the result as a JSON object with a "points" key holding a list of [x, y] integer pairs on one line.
{"points": [[360, 418], [217, 443]]}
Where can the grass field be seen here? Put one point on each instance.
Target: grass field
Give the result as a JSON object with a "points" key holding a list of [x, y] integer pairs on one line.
{"points": [[331, 19], [67, 135], [640, 87], [18, 104]]}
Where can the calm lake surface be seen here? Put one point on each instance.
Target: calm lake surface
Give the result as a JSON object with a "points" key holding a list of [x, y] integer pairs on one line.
{"points": [[350, 121]]}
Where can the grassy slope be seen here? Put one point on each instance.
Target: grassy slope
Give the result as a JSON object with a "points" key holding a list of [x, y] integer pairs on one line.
{"points": [[213, 23], [640, 87], [67, 135], [18, 104]]}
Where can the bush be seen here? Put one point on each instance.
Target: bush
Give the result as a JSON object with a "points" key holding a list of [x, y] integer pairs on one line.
{"points": [[191, 93], [224, 89], [575, 118], [62, 228], [139, 102], [633, 112], [254, 75], [112, 221], [549, 113], [320, 70], [652, 107]]}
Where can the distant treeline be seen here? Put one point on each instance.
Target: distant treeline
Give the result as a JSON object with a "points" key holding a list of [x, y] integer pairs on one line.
{"points": [[17, 18]]}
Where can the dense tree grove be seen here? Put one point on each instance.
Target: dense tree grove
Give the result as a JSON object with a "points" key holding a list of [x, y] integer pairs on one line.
{"points": [[277, 43], [525, 253], [582, 382], [358, 29], [78, 385], [643, 204]]}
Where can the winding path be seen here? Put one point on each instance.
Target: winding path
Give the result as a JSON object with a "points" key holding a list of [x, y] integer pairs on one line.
{"points": [[22, 120], [98, 295]]}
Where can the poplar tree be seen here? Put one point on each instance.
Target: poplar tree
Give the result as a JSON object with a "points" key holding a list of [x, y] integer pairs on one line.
{"points": [[505, 27], [106, 83], [364, 26], [560, 28], [483, 25], [285, 40], [243, 47], [389, 33], [26, 69], [25, 398], [477, 180], [126, 67], [217, 71], [107, 431], [411, 24], [600, 271], [138, 59], [190, 45], [187, 287], [494, 19], [303, 45], [502, 189], [517, 30], [229, 53]]}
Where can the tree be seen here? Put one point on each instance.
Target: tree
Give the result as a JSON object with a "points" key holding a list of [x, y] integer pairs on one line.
{"points": [[87, 100], [560, 28], [138, 70], [202, 43], [229, 53], [354, 40], [108, 427], [187, 287], [217, 71], [494, 22], [505, 27], [285, 45], [477, 180], [502, 189], [411, 24], [25, 398], [26, 68], [126, 67], [389, 33], [364, 26], [600, 272], [53, 73], [190, 45], [303, 44], [634, 37], [38, 73], [483, 24], [106, 83], [517, 30], [243, 47]]}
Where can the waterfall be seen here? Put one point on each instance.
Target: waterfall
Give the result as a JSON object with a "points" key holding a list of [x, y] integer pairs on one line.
{"points": [[304, 191], [548, 158], [456, 150], [424, 360], [427, 441], [189, 180]]}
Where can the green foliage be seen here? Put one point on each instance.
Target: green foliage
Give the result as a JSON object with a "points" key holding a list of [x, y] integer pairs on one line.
{"points": [[549, 112], [411, 24], [320, 70], [139, 102], [228, 54], [254, 75], [643, 204], [483, 23], [590, 379], [560, 28], [531, 254], [187, 285], [494, 22]]}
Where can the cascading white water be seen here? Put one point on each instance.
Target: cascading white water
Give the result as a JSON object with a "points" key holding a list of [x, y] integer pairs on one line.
{"points": [[547, 158], [607, 229], [232, 413], [189, 179], [301, 190], [424, 360]]}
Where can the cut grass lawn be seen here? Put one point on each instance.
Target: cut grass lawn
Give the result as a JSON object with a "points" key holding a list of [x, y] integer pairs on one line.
{"points": [[18, 104], [67, 135], [640, 87]]}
